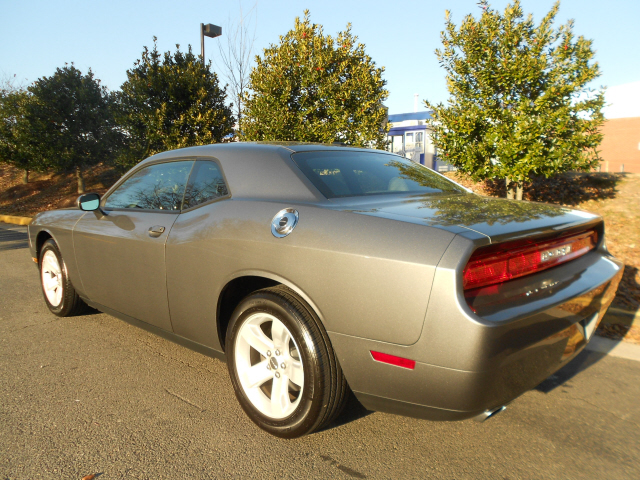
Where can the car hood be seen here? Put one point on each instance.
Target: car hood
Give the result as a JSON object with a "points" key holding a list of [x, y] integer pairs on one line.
{"points": [[497, 218]]}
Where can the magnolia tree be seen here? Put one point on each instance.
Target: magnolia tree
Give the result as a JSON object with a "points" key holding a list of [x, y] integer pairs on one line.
{"points": [[70, 118], [519, 103], [171, 101], [16, 137], [316, 88]]}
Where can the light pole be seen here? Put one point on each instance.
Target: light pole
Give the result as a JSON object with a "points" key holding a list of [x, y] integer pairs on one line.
{"points": [[208, 30]]}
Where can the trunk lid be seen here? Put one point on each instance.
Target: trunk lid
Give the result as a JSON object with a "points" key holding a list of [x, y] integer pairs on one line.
{"points": [[497, 218]]}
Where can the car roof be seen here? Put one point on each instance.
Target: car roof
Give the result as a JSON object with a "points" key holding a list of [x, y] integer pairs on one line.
{"points": [[259, 170], [293, 147]]}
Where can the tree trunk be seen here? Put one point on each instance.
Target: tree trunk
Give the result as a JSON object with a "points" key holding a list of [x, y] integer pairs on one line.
{"points": [[25, 176], [510, 189], [80, 180], [519, 191]]}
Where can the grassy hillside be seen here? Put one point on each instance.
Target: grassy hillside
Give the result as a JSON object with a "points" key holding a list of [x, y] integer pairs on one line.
{"points": [[47, 191]]}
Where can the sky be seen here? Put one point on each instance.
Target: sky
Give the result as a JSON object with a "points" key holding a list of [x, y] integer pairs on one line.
{"points": [[38, 36]]}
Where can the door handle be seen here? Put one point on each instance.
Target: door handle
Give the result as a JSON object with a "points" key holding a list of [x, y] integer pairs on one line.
{"points": [[156, 231]]}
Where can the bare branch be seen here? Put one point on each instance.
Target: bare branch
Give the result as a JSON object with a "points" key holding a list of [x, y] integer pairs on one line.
{"points": [[236, 54], [10, 83]]}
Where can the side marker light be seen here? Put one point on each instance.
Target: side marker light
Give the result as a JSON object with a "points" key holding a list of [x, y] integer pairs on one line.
{"points": [[393, 360]]}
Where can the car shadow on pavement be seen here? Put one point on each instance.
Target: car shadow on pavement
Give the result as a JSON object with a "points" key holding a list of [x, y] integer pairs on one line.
{"points": [[88, 311], [583, 361], [353, 411]]}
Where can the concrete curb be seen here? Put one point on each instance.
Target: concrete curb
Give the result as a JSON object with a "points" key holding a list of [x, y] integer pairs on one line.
{"points": [[15, 220], [627, 350]]}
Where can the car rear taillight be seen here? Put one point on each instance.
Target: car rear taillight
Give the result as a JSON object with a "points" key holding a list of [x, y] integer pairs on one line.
{"points": [[503, 262]]}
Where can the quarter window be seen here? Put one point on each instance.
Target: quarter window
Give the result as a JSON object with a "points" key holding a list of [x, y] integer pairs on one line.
{"points": [[156, 187], [206, 184]]}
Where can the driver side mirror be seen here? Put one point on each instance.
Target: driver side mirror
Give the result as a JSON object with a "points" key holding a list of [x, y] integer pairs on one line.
{"points": [[90, 202]]}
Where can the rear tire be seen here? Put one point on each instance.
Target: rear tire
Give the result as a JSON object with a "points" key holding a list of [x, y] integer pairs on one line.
{"points": [[59, 294], [283, 369]]}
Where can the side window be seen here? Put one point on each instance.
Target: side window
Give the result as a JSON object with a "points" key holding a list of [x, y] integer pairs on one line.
{"points": [[206, 184], [156, 187]]}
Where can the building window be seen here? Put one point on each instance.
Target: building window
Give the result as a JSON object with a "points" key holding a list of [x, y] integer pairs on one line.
{"points": [[419, 140]]}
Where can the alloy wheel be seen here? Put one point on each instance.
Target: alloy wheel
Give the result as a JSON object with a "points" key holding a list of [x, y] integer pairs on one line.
{"points": [[51, 275], [269, 365]]}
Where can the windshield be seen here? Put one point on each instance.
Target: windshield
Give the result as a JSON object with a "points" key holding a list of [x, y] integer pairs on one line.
{"points": [[341, 173]]}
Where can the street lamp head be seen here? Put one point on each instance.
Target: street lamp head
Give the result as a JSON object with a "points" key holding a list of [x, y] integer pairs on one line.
{"points": [[210, 30]]}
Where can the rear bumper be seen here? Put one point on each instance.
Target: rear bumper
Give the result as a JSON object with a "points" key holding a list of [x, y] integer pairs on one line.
{"points": [[444, 394], [506, 358]]}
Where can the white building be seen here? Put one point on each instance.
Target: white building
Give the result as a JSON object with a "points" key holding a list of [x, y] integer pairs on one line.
{"points": [[409, 136]]}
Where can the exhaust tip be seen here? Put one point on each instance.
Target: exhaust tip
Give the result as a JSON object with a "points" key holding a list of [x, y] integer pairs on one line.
{"points": [[487, 414]]}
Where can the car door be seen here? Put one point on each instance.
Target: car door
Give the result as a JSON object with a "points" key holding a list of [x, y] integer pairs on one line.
{"points": [[121, 254], [193, 254]]}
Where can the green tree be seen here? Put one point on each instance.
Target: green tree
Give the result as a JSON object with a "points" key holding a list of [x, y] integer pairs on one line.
{"points": [[169, 102], [71, 120], [518, 102], [16, 137], [312, 87]]}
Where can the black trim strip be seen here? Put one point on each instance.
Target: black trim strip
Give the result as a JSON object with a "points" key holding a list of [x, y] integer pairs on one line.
{"points": [[185, 342]]}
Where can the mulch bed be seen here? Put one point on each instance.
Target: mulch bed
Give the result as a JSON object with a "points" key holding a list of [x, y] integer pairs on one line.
{"points": [[48, 191], [630, 334], [565, 189], [568, 189]]}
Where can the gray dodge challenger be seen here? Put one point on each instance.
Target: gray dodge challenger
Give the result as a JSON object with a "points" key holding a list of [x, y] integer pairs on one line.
{"points": [[319, 270]]}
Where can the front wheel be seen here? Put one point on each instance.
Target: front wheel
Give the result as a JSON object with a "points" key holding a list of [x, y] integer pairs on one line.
{"points": [[283, 369], [59, 294]]}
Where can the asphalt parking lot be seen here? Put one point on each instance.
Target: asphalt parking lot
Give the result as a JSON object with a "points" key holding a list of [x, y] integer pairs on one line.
{"points": [[94, 395]]}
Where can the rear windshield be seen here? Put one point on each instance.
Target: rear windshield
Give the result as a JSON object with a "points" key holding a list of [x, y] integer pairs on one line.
{"points": [[353, 174]]}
